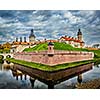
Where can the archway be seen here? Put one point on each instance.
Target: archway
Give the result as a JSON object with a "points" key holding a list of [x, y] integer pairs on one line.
{"points": [[1, 57], [8, 56]]}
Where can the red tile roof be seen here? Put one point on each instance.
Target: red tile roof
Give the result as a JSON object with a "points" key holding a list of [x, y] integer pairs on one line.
{"points": [[71, 39]]}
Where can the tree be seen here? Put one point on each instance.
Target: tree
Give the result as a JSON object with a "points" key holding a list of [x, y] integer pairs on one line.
{"points": [[96, 45]]}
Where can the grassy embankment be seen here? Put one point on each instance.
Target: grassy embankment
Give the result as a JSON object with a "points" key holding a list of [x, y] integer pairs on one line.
{"points": [[3, 51], [46, 67], [57, 46], [96, 56]]}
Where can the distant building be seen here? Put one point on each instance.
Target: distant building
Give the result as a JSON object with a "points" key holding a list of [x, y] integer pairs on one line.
{"points": [[75, 42], [32, 37], [96, 45], [20, 44]]}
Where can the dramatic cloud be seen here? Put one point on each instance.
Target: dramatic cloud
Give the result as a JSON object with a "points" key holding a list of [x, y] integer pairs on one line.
{"points": [[50, 24]]}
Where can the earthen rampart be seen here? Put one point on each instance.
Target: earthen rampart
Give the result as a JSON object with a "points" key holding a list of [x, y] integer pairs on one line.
{"points": [[54, 58]]}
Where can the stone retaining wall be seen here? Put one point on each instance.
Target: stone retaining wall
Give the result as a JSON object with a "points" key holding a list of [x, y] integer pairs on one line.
{"points": [[59, 57]]}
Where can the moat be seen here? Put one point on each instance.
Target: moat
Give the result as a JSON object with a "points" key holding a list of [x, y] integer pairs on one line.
{"points": [[10, 81]]}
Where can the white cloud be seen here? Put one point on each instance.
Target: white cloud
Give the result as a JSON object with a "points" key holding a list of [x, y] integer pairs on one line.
{"points": [[50, 23]]}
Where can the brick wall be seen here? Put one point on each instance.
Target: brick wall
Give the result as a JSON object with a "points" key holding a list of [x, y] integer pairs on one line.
{"points": [[59, 57]]}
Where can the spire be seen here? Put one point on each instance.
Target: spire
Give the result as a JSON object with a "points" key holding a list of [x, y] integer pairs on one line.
{"points": [[24, 39], [16, 39], [32, 30], [32, 33], [20, 39], [79, 32]]}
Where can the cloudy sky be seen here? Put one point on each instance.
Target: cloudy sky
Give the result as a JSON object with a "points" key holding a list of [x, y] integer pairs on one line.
{"points": [[50, 24]]}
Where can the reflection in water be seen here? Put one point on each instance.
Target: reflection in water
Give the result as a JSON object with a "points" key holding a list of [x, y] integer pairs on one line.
{"points": [[89, 75], [16, 79], [32, 80], [79, 79], [8, 81], [98, 65]]}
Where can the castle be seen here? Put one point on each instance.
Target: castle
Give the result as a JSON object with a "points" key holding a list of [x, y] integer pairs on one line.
{"points": [[75, 42], [24, 42], [19, 46], [53, 57]]}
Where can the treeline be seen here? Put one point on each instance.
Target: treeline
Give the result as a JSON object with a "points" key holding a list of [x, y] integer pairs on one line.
{"points": [[5, 48]]}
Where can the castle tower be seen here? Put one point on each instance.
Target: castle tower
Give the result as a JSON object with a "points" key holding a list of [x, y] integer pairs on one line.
{"points": [[16, 39], [20, 39], [50, 48], [24, 39], [32, 37], [79, 35]]}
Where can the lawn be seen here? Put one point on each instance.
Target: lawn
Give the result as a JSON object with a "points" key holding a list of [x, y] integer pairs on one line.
{"points": [[38, 47], [57, 46]]}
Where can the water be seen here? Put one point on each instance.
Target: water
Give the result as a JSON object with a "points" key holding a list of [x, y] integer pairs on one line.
{"points": [[94, 73], [8, 81]]}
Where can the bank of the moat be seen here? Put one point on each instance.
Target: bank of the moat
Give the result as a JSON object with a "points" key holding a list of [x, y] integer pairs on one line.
{"points": [[55, 74], [61, 79], [49, 68], [52, 75]]}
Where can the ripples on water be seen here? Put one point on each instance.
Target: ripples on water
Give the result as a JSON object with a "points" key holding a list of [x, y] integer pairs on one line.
{"points": [[8, 81]]}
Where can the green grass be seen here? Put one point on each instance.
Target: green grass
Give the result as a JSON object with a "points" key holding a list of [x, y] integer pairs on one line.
{"points": [[57, 46], [96, 53], [4, 51], [38, 47], [96, 56], [61, 46], [57, 67], [46, 67], [68, 47]]}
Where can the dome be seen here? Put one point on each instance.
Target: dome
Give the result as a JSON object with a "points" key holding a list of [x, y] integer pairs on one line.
{"points": [[79, 32], [32, 35], [50, 43]]}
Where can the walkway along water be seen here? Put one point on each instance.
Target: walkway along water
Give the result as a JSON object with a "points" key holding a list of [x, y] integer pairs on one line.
{"points": [[53, 78]]}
